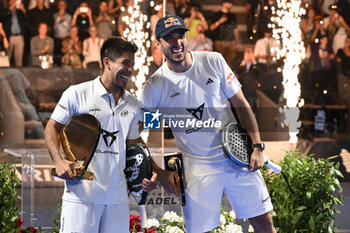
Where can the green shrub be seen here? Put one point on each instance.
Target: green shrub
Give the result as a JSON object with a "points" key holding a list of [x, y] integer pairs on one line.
{"points": [[9, 196], [317, 193]]}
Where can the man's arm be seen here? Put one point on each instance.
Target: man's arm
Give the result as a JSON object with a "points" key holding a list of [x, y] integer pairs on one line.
{"points": [[64, 168], [247, 118]]}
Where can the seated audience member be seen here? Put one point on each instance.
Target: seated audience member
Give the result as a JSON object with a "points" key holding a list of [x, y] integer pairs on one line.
{"points": [[61, 28], [37, 15], [91, 49], [196, 17], [343, 56], [14, 23], [337, 28], [323, 56], [4, 45], [104, 22], [82, 18], [265, 49], [71, 49], [248, 75], [41, 47], [200, 42]]}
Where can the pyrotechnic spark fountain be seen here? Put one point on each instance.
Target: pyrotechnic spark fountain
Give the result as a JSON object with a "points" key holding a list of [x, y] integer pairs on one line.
{"points": [[288, 32], [137, 31]]}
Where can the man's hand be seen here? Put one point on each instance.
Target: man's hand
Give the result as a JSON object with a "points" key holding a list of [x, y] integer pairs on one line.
{"points": [[149, 185], [66, 169], [256, 160]]}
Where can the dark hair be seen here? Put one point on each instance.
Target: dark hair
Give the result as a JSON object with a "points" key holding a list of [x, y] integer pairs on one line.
{"points": [[114, 48]]}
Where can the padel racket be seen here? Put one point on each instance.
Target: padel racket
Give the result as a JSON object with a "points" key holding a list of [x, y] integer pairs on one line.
{"points": [[238, 148], [138, 167]]}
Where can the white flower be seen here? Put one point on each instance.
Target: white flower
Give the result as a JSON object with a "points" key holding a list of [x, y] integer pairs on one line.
{"points": [[232, 214], [232, 228], [181, 220], [171, 216], [152, 222], [173, 229], [273, 214], [250, 229], [222, 220]]}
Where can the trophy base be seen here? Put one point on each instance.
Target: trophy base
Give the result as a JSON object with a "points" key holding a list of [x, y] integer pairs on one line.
{"points": [[80, 174]]}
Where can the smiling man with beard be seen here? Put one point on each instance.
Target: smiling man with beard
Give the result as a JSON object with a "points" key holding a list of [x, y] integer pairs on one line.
{"points": [[101, 204], [205, 86]]}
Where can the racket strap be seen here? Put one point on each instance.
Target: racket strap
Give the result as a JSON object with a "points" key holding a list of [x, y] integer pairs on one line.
{"points": [[290, 187]]}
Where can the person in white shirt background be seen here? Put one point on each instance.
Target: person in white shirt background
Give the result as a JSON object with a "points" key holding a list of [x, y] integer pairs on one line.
{"points": [[91, 49]]}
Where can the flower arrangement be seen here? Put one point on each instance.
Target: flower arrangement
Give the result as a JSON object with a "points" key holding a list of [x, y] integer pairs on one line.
{"points": [[172, 223], [228, 223], [19, 223]]}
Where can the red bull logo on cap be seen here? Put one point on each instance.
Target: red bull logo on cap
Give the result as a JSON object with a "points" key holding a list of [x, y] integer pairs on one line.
{"points": [[171, 21], [230, 77]]}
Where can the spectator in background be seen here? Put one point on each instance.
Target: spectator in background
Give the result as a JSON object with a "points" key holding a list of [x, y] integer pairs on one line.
{"points": [[343, 56], [319, 31], [82, 18], [196, 17], [60, 29], [71, 49], [248, 76], [31, 4], [323, 56], [156, 63], [155, 17], [265, 49], [41, 47], [337, 28], [225, 33], [181, 7], [13, 20], [122, 25], [200, 42], [4, 45], [308, 25], [104, 22], [114, 7], [91, 50], [38, 15], [264, 16]]}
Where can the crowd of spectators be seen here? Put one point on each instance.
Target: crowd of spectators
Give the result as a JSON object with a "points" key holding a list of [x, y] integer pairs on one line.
{"points": [[70, 33]]}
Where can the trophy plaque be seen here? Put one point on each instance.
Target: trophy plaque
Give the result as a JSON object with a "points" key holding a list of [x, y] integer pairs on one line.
{"points": [[79, 139]]}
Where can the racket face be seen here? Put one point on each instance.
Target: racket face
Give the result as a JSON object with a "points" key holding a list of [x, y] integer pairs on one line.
{"points": [[138, 166], [80, 137], [237, 144]]}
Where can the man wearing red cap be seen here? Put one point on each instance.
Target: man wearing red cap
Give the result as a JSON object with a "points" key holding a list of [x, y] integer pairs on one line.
{"points": [[199, 87]]}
